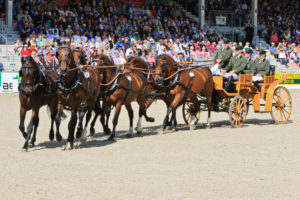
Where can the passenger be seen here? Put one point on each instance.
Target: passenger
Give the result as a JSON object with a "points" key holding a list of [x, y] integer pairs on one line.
{"points": [[261, 67], [222, 58], [250, 61], [236, 65]]}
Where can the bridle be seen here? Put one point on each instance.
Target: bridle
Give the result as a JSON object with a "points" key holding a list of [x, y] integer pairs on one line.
{"points": [[64, 53], [32, 83]]}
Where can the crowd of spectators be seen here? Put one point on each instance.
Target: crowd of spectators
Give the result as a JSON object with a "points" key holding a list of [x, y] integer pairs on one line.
{"points": [[286, 53], [113, 28], [276, 21]]}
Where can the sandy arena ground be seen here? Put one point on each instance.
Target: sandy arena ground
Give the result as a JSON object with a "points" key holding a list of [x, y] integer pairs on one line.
{"points": [[259, 161]]}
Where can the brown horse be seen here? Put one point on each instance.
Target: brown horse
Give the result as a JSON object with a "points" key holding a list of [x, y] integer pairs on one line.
{"points": [[36, 89], [184, 84], [122, 88], [78, 88]]}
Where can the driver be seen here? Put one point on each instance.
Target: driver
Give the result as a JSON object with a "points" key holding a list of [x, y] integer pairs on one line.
{"points": [[235, 66]]}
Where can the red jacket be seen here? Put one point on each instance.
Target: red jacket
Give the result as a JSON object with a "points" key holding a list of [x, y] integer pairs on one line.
{"points": [[26, 52]]}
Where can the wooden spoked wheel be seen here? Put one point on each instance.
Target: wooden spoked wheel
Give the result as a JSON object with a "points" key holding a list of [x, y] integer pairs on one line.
{"points": [[237, 111], [188, 111], [281, 105]]}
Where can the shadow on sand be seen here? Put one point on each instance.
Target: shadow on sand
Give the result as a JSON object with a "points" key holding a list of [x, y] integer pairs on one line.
{"points": [[100, 139]]}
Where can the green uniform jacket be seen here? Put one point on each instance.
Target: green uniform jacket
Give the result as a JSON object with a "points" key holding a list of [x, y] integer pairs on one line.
{"points": [[224, 55], [261, 67], [238, 64], [249, 66]]}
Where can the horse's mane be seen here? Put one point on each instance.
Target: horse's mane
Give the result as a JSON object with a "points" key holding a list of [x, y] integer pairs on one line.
{"points": [[136, 60], [167, 58]]}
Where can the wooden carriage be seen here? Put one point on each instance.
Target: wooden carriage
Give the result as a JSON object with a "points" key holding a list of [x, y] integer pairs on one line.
{"points": [[275, 100]]}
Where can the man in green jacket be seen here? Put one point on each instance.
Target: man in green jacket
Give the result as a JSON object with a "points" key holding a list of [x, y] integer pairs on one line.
{"points": [[224, 54], [250, 61], [235, 66], [260, 67]]}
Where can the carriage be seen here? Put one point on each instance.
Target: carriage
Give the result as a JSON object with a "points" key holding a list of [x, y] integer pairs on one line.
{"points": [[275, 100]]}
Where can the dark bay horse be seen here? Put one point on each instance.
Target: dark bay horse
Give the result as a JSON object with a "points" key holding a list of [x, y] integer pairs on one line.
{"points": [[184, 84], [37, 89], [122, 88], [78, 88]]}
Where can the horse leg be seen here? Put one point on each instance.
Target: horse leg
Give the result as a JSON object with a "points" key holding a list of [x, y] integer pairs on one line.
{"points": [[106, 111], [130, 115], [115, 120], [172, 108], [58, 117], [88, 116], [71, 128], [51, 133], [97, 111], [79, 126], [148, 103], [196, 106], [22, 119], [30, 126], [142, 111], [36, 124]]}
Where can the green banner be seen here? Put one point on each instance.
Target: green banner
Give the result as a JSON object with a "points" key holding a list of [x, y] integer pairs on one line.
{"points": [[294, 79]]}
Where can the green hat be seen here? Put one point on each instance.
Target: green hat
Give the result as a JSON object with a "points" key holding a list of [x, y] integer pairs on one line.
{"points": [[226, 41], [261, 52], [238, 47], [248, 50]]}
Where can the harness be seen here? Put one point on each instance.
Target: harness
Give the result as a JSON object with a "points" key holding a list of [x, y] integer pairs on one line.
{"points": [[176, 82]]}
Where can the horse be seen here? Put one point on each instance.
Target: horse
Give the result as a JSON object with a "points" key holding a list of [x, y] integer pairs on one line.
{"points": [[122, 88], [78, 88], [184, 83], [37, 89]]}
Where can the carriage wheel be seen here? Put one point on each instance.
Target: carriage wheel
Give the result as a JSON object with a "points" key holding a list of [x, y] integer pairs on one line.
{"points": [[281, 105], [237, 111], [188, 112]]}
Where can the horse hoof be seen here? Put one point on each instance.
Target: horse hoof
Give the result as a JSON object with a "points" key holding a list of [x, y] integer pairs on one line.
{"points": [[92, 131], [58, 138], [68, 147], [128, 135], [78, 133], [32, 144], [51, 135], [24, 135], [111, 137], [83, 139], [150, 119], [107, 131], [192, 127]]}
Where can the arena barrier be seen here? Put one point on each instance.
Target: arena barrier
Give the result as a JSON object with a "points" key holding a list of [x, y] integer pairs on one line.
{"points": [[9, 82], [293, 82]]}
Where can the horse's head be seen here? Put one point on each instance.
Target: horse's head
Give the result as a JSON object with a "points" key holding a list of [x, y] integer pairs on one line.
{"points": [[78, 56], [161, 71], [29, 73], [64, 58], [97, 60]]}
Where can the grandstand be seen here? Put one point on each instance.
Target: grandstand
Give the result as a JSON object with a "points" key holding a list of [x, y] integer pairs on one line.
{"points": [[141, 20]]}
